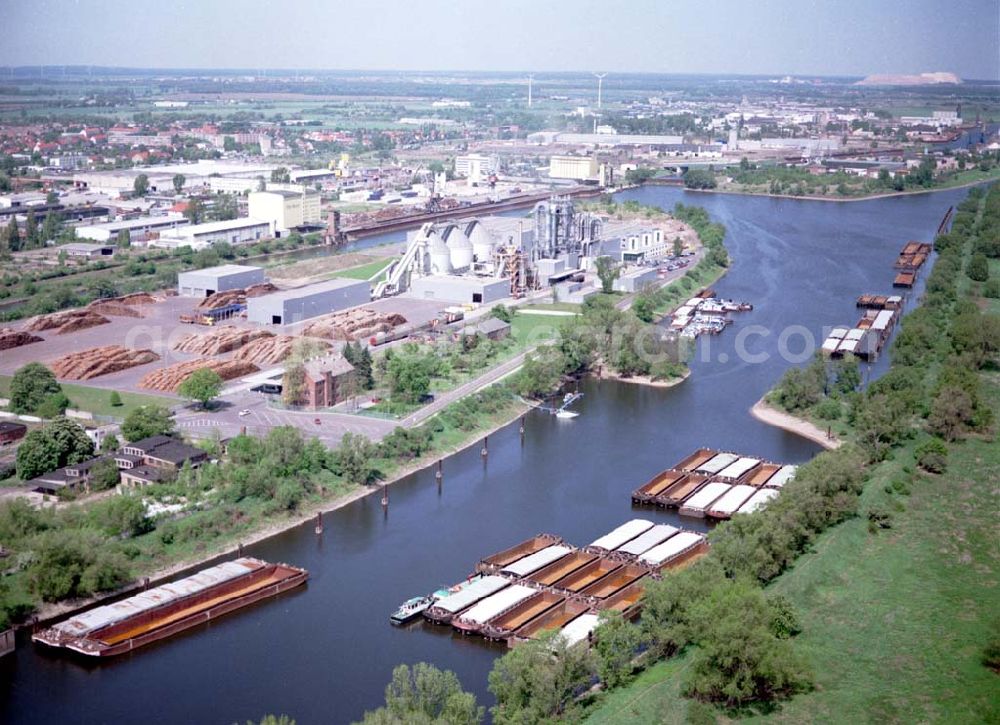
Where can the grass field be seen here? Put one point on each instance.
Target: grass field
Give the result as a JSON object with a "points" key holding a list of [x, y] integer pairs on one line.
{"points": [[98, 400], [365, 271], [894, 622]]}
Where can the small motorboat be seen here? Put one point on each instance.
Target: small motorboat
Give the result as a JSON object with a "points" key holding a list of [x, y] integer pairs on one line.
{"points": [[410, 609]]}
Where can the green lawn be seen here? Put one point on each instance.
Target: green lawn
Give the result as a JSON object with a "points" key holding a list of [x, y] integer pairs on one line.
{"points": [[364, 271], [98, 400], [893, 623], [530, 330]]}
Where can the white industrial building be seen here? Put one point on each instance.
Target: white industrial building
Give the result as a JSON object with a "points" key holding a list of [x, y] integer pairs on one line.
{"points": [[233, 231], [285, 210], [638, 242], [476, 167], [205, 282], [139, 229], [302, 303], [468, 288]]}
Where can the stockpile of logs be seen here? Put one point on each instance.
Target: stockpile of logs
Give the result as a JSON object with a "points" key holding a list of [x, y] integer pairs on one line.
{"points": [[269, 351], [97, 361], [235, 296], [168, 379], [15, 338], [113, 308], [67, 321], [352, 325], [219, 340]]}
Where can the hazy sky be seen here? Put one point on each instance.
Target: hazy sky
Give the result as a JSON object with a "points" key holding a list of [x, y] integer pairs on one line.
{"points": [[820, 37]]}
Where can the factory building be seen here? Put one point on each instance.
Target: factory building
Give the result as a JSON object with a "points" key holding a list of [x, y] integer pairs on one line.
{"points": [[205, 282], [449, 288], [638, 242], [285, 209], [139, 230], [476, 167], [83, 250], [232, 231], [573, 167], [302, 303]]}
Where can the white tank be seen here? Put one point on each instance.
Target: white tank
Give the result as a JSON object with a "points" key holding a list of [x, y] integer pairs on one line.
{"points": [[439, 253], [459, 247], [482, 244]]}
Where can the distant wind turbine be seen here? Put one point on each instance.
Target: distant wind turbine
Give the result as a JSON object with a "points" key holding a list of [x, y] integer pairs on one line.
{"points": [[530, 79], [600, 82]]}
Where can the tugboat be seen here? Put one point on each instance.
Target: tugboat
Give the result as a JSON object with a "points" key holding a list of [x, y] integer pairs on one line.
{"points": [[411, 608]]}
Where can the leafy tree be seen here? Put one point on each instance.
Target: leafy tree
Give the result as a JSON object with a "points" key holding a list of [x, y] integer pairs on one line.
{"points": [[537, 680], [202, 386], [699, 179], [121, 516], [951, 412], [146, 421], [978, 268], [31, 230], [141, 185], [123, 240], [51, 226], [678, 248], [932, 455], [194, 211], [616, 642], [539, 375], [363, 368], [104, 474], [115, 399], [410, 376], [225, 207], [502, 313], [110, 443], [53, 406], [293, 384], [13, 235], [424, 695], [280, 175], [60, 443], [607, 271], [740, 659], [354, 459], [30, 386], [179, 180]]}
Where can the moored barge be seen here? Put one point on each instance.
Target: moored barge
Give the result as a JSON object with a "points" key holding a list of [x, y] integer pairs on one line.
{"points": [[445, 608], [676, 550], [165, 610], [473, 619], [496, 562], [549, 575], [620, 535], [555, 618], [504, 626]]}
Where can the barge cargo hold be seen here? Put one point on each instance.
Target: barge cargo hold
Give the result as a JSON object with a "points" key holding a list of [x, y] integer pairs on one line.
{"points": [[627, 600], [473, 619], [675, 550], [504, 626], [644, 542], [496, 562], [555, 618], [717, 462], [587, 575], [534, 562], [656, 486], [621, 535], [446, 608], [731, 501], [738, 469], [762, 475], [557, 570], [697, 505], [165, 610], [676, 494], [783, 476], [697, 458], [619, 579]]}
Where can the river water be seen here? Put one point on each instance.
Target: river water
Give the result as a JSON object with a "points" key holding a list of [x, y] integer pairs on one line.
{"points": [[325, 652]]}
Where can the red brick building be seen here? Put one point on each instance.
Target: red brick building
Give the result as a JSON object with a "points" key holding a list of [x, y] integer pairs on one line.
{"points": [[326, 381]]}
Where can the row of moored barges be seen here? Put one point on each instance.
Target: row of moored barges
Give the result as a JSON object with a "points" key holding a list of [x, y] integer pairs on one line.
{"points": [[544, 584], [716, 484]]}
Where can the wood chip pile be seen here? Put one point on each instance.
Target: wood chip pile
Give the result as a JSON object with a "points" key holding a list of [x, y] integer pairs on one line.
{"points": [[67, 321], [15, 338], [168, 379], [235, 296], [353, 325], [219, 340], [113, 308], [97, 361], [268, 351]]}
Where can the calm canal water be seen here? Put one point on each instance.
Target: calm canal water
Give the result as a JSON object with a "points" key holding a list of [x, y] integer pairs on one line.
{"points": [[325, 653]]}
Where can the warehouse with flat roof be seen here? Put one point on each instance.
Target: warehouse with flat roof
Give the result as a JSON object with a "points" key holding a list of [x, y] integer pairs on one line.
{"points": [[302, 303], [138, 229], [208, 281]]}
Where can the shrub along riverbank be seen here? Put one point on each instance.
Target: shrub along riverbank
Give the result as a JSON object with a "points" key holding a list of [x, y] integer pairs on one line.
{"points": [[754, 627], [259, 485]]}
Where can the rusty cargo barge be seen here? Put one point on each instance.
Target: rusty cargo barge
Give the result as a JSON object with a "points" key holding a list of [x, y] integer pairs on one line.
{"points": [[545, 584], [168, 609]]}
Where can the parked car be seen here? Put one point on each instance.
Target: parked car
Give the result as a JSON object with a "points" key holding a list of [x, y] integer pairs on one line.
{"points": [[245, 411]]}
